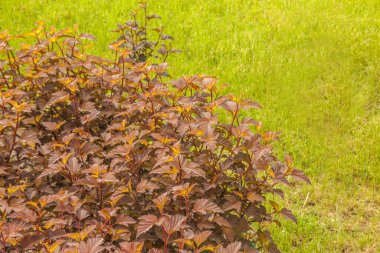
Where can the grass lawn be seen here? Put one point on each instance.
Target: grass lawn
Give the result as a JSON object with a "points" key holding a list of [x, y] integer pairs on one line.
{"points": [[313, 65]]}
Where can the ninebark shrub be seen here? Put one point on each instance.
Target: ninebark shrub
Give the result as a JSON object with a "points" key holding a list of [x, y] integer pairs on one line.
{"points": [[100, 155]]}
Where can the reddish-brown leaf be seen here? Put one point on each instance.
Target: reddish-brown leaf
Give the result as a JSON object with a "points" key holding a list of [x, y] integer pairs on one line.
{"points": [[299, 175], [288, 214], [201, 237], [204, 206], [173, 223], [254, 196], [231, 248], [92, 245], [146, 222]]}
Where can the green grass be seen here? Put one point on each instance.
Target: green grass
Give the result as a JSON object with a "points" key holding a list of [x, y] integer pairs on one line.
{"points": [[313, 65]]}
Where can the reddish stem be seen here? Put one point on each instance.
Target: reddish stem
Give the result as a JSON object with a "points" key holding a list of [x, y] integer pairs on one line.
{"points": [[14, 138], [6, 81], [3, 242], [166, 239]]}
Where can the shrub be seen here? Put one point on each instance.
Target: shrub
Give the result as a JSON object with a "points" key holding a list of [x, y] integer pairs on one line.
{"points": [[102, 155]]}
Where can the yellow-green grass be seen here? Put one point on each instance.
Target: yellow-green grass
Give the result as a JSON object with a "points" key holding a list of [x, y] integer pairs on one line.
{"points": [[313, 65]]}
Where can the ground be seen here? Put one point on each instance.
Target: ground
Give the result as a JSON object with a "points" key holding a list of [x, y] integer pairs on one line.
{"points": [[313, 65]]}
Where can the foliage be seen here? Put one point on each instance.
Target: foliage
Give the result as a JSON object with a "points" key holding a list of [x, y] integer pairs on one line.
{"points": [[100, 155]]}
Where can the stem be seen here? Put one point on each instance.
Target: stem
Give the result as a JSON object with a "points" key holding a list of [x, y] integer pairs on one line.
{"points": [[6, 81], [187, 208], [101, 196], [184, 222], [3, 242], [14, 59], [34, 64], [233, 119], [75, 104], [230, 131], [3, 106], [13, 138], [122, 79], [70, 175], [38, 222], [57, 112], [166, 243], [180, 169], [72, 50], [60, 49]]}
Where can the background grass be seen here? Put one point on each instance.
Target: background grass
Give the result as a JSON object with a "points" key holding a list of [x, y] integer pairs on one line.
{"points": [[313, 65]]}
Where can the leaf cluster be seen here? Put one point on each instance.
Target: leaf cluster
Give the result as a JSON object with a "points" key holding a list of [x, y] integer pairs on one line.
{"points": [[100, 155]]}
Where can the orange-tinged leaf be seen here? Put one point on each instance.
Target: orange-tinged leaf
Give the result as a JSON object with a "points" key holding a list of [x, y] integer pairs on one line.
{"points": [[132, 247], [183, 190], [114, 200], [176, 148], [188, 242], [80, 236], [52, 247], [66, 158], [275, 206], [33, 204], [13, 189], [289, 161], [201, 237], [160, 201], [207, 248], [254, 196], [53, 222], [231, 248]]}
